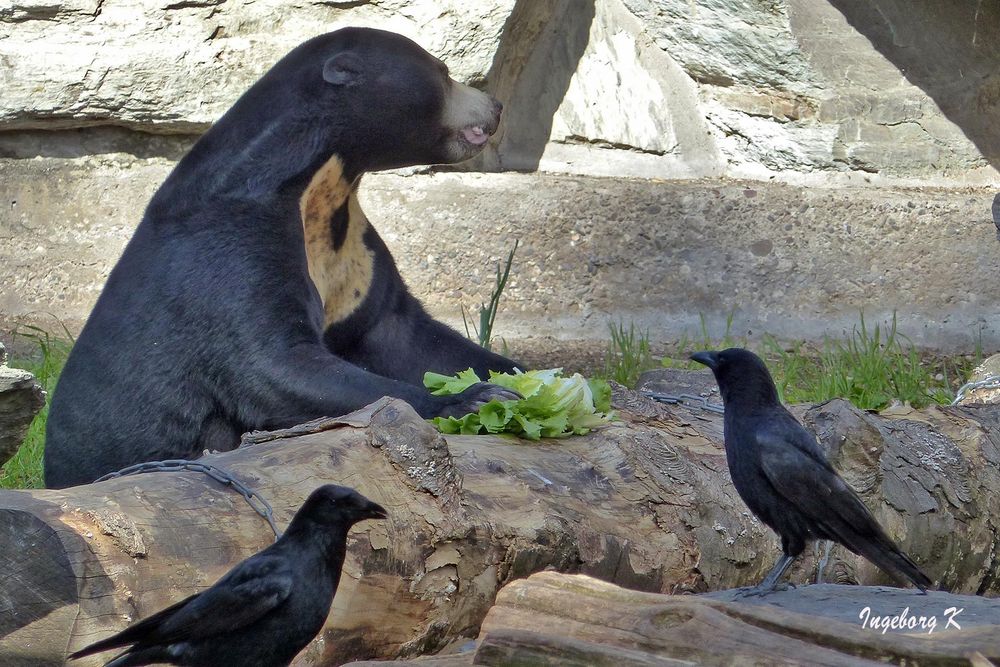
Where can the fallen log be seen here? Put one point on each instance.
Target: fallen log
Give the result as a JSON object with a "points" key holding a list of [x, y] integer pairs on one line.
{"points": [[574, 620], [645, 503]]}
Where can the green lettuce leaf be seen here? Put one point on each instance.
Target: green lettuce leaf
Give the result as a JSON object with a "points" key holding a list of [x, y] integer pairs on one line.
{"points": [[601, 391], [495, 415], [446, 385], [529, 429], [467, 425]]}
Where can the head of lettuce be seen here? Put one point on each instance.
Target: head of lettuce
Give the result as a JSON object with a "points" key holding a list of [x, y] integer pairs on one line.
{"points": [[553, 406]]}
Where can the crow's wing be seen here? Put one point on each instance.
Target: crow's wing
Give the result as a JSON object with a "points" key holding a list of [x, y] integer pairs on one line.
{"points": [[784, 431], [794, 464], [249, 591]]}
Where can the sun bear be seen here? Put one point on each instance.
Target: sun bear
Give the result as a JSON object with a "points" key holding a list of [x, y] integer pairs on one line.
{"points": [[254, 293]]}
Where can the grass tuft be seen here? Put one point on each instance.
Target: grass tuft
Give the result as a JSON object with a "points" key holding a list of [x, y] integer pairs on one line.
{"points": [[688, 345], [870, 367], [488, 313], [627, 355]]}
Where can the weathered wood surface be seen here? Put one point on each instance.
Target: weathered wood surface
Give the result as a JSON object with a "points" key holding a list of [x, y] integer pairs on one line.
{"points": [[646, 504], [574, 620], [21, 397]]}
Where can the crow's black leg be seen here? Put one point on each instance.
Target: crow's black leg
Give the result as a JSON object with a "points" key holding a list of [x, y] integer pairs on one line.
{"points": [[771, 580]]}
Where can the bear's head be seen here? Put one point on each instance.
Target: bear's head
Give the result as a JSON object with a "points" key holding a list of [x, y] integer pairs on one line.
{"points": [[384, 101]]}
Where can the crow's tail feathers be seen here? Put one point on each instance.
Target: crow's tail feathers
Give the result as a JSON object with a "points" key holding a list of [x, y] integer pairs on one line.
{"points": [[857, 529], [97, 647], [884, 553], [132, 657]]}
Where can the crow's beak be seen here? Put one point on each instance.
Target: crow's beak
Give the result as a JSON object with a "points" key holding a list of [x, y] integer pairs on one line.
{"points": [[376, 511], [710, 359]]}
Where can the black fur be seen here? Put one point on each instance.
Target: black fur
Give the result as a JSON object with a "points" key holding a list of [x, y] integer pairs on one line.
{"points": [[210, 326], [338, 226]]}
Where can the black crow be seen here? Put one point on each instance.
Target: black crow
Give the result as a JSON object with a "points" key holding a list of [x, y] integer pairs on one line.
{"points": [[782, 475], [264, 610]]}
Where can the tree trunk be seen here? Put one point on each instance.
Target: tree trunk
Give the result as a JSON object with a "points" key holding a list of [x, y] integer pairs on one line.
{"points": [[645, 503]]}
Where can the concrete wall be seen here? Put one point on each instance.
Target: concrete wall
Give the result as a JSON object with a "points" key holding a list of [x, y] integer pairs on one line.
{"points": [[790, 161]]}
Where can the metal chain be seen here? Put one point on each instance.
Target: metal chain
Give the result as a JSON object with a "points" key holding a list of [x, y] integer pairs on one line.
{"points": [[681, 399], [259, 505], [990, 382]]}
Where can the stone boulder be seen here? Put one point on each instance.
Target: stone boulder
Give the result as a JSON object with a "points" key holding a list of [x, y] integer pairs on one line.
{"points": [[175, 67], [21, 397]]}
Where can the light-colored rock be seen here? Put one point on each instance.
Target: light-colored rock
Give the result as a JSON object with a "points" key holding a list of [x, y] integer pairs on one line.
{"points": [[650, 88], [853, 108], [720, 42], [884, 121], [628, 94], [759, 143], [177, 66], [21, 397]]}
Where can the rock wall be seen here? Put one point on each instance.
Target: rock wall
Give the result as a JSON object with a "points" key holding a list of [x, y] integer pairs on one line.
{"points": [[665, 88], [101, 97]]}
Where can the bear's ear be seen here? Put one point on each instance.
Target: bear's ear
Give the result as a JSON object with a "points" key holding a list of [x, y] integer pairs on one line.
{"points": [[343, 69]]}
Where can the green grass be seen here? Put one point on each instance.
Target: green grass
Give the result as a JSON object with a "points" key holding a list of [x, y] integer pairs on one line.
{"points": [[872, 367], [24, 470], [627, 355]]}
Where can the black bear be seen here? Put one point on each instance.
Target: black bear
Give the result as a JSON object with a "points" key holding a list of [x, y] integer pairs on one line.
{"points": [[254, 293]]}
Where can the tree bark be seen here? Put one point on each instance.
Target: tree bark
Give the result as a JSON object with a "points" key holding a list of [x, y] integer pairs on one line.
{"points": [[646, 503]]}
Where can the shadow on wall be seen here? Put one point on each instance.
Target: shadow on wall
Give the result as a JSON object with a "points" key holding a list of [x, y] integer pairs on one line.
{"points": [[947, 48], [541, 45]]}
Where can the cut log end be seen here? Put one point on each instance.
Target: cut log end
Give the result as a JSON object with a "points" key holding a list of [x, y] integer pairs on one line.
{"points": [[39, 598]]}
